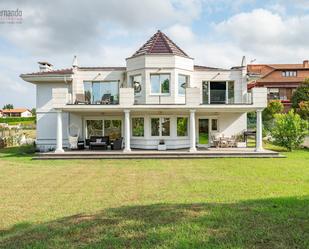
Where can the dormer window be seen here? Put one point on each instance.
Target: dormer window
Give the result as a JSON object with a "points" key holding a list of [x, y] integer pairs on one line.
{"points": [[289, 73], [160, 83]]}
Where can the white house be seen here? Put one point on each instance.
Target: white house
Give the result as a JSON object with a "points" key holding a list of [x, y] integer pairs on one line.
{"points": [[17, 112], [160, 96]]}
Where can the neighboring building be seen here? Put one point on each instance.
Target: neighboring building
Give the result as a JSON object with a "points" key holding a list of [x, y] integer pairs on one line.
{"points": [[159, 95], [281, 80], [19, 112], [1, 113]]}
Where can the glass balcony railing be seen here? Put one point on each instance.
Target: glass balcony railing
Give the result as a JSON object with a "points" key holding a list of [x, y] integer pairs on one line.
{"points": [[105, 99], [224, 97]]}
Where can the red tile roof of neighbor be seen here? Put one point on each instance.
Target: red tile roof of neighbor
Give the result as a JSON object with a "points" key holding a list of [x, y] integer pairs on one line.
{"points": [[159, 43], [19, 110], [52, 72]]}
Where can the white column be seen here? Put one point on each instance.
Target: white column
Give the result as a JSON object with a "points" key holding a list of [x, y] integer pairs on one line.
{"points": [[259, 135], [127, 133], [192, 131], [59, 148]]}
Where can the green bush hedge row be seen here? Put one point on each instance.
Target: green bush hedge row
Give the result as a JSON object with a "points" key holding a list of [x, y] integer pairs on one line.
{"points": [[16, 119]]}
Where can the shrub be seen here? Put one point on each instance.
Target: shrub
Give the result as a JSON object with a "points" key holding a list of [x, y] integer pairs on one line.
{"points": [[303, 110], [15, 120], [274, 107], [301, 94], [289, 130]]}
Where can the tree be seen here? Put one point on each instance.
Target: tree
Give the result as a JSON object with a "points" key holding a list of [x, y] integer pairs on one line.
{"points": [[274, 107], [33, 111], [8, 107], [301, 94], [303, 110], [289, 130]]}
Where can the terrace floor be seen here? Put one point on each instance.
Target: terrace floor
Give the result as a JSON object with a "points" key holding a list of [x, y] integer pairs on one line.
{"points": [[155, 154]]}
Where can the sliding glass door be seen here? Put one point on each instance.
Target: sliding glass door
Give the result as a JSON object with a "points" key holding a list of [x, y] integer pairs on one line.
{"points": [[203, 132], [106, 127], [218, 92], [101, 92]]}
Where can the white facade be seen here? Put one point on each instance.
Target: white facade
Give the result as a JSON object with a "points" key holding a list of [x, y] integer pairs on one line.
{"points": [[198, 103]]}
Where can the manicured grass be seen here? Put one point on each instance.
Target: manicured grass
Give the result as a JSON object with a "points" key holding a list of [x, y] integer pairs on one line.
{"points": [[211, 203]]}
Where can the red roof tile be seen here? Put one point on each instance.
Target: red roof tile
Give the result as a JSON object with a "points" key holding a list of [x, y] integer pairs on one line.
{"points": [[159, 43], [18, 110]]}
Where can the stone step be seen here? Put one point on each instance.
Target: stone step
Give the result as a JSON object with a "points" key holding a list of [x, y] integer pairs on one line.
{"points": [[156, 155]]}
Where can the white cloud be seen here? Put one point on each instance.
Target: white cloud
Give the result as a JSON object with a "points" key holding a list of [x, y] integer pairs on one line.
{"points": [[267, 35], [68, 25]]}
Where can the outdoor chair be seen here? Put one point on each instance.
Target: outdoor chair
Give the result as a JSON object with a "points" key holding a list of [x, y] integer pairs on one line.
{"points": [[106, 99], [80, 99], [117, 144]]}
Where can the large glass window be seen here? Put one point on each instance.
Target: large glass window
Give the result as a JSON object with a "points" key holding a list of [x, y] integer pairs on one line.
{"points": [[160, 127], [231, 92], [88, 91], [182, 84], [111, 128], [165, 127], [273, 93], [138, 127], [94, 128], [214, 124], [160, 83], [155, 126], [182, 127], [136, 82], [205, 92], [218, 92], [101, 92]]}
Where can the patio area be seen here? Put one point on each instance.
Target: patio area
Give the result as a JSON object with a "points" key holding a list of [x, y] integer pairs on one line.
{"points": [[155, 154]]}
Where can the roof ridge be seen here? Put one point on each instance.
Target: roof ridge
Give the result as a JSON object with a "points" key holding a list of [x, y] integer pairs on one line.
{"points": [[164, 37], [160, 43], [155, 36]]}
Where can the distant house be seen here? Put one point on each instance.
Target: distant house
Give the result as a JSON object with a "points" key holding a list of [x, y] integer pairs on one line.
{"points": [[1, 114], [281, 80], [20, 112]]}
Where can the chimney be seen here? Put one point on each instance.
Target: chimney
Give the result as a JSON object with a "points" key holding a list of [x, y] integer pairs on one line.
{"points": [[306, 64], [45, 66], [75, 61]]}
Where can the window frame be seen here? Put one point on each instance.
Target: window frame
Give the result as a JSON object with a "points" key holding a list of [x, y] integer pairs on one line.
{"points": [[139, 117], [160, 126], [111, 118], [211, 126], [92, 82], [289, 73], [187, 83], [185, 136], [132, 82], [160, 91]]}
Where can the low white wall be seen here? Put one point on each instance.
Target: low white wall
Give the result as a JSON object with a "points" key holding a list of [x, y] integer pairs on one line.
{"points": [[47, 130]]}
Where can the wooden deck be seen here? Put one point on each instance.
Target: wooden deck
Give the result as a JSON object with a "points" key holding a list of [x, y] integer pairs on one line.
{"points": [[154, 154]]}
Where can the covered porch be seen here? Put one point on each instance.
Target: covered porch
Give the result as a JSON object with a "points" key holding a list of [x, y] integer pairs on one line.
{"points": [[162, 124]]}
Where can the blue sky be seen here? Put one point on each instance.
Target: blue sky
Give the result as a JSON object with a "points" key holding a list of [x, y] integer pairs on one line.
{"points": [[104, 33]]}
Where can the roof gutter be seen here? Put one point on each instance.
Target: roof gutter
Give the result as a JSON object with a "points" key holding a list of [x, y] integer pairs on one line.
{"points": [[47, 78]]}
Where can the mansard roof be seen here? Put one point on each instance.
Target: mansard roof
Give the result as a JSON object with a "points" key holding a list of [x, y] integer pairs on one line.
{"points": [[160, 43]]}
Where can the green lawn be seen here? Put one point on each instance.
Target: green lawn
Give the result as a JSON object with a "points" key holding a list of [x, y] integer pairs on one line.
{"points": [[211, 203]]}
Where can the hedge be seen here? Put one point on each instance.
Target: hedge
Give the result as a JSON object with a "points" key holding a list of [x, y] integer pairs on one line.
{"points": [[16, 119]]}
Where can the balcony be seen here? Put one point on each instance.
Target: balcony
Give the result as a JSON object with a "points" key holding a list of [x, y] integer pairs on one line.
{"points": [[223, 97], [84, 99]]}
